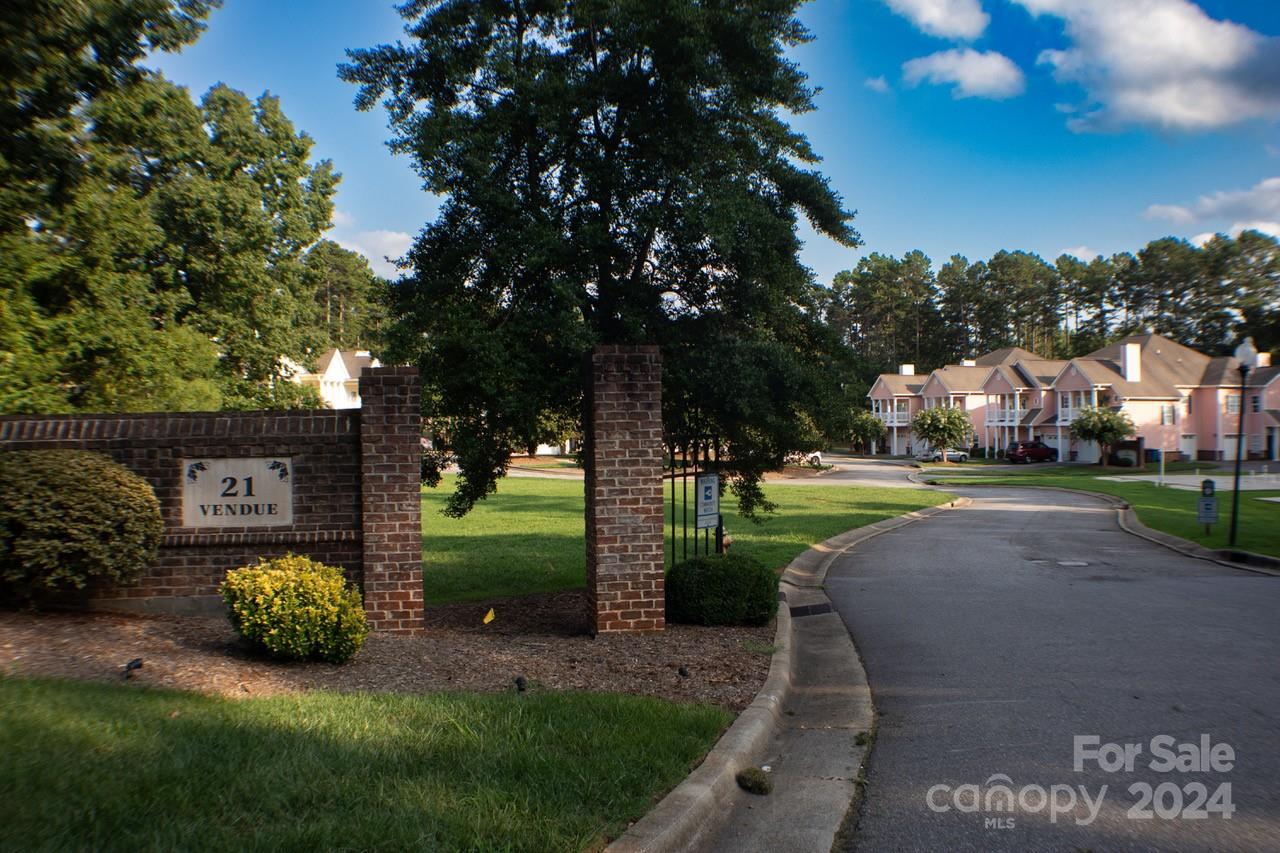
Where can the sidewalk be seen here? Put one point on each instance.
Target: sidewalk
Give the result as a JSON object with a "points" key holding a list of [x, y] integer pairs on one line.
{"points": [[804, 725]]}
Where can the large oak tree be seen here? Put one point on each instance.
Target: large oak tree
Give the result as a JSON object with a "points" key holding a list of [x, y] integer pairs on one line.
{"points": [[611, 171]]}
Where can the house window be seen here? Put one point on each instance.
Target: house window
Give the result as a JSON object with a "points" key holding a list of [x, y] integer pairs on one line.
{"points": [[1256, 404], [1233, 404], [1166, 414]]}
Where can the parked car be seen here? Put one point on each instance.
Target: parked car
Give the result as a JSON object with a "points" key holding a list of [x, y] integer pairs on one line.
{"points": [[953, 455], [812, 459], [1030, 451]]}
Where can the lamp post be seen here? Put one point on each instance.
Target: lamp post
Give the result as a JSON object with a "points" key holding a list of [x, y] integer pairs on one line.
{"points": [[1246, 355]]}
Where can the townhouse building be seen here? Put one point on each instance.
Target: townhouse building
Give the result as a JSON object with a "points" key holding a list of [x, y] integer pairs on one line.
{"points": [[1181, 401]]}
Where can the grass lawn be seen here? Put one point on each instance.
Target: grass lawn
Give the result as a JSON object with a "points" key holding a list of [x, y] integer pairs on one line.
{"points": [[1165, 509], [529, 537], [112, 767]]}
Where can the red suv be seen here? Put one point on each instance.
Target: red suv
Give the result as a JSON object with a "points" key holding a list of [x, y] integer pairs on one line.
{"points": [[1030, 451]]}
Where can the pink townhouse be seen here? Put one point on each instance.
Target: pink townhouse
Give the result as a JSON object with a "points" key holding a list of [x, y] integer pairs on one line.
{"points": [[1262, 415], [958, 386], [1220, 411], [1020, 400], [1181, 401], [895, 399]]}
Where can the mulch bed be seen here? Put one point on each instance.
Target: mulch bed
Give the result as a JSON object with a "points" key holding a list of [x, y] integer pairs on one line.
{"points": [[542, 637]]}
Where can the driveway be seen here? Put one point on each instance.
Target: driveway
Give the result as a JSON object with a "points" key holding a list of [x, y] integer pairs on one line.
{"points": [[855, 471], [995, 635]]}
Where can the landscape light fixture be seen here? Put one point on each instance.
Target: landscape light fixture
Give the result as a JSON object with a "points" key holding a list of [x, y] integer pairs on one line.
{"points": [[1247, 355]]}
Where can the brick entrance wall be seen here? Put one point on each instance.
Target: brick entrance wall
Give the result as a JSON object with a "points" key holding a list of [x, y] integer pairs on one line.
{"points": [[623, 460], [355, 486], [391, 506]]}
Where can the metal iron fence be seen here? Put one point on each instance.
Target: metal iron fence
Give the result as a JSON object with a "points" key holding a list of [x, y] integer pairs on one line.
{"points": [[688, 459]]}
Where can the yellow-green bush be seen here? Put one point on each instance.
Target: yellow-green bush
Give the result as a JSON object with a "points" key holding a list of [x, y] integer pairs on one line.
{"points": [[70, 516], [294, 607]]}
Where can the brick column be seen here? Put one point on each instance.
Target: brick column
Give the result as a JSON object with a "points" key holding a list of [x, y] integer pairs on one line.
{"points": [[391, 510], [623, 432]]}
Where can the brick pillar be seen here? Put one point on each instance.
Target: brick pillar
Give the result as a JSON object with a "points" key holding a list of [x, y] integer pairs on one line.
{"points": [[623, 427], [391, 510]]}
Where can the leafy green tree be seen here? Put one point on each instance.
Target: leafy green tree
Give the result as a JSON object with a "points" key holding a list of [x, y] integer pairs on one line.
{"points": [[865, 428], [80, 325], [943, 428], [169, 274], [1250, 264], [1027, 289], [238, 239], [56, 57], [350, 299], [612, 172], [964, 303], [1104, 426]]}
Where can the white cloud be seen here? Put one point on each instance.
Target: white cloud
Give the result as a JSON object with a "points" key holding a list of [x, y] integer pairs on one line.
{"points": [[954, 19], [343, 219], [1256, 208], [1161, 63], [981, 75], [877, 84], [377, 246], [1258, 203], [1083, 253], [1272, 228], [1171, 212]]}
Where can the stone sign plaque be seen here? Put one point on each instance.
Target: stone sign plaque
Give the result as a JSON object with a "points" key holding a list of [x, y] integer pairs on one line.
{"points": [[255, 492]]}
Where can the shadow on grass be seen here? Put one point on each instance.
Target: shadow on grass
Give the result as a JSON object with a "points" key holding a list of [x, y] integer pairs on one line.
{"points": [[103, 767]]}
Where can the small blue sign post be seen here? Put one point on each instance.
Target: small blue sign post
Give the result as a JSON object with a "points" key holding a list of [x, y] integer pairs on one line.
{"points": [[708, 512], [1207, 506]]}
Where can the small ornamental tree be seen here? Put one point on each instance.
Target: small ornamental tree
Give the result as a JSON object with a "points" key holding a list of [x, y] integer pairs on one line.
{"points": [[943, 428], [1104, 426], [865, 428]]}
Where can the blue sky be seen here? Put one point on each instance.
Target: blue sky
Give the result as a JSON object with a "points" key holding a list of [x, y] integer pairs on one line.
{"points": [[951, 126]]}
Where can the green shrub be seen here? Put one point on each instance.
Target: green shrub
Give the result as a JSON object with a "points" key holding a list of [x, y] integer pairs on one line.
{"points": [[721, 589], [68, 517], [293, 607]]}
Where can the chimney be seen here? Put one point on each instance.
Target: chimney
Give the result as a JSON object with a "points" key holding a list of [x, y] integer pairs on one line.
{"points": [[968, 362], [906, 370], [1131, 362]]}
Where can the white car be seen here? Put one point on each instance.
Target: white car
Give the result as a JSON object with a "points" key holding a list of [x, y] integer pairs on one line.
{"points": [[813, 458], [953, 455]]}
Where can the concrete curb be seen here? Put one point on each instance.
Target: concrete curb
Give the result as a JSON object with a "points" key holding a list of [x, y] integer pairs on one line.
{"points": [[693, 805], [695, 808], [1129, 522]]}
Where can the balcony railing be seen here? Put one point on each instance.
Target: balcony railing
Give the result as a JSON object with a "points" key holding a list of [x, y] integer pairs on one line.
{"points": [[894, 418]]}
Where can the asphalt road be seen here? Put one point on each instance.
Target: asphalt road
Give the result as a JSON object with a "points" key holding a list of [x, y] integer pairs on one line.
{"points": [[994, 635]]}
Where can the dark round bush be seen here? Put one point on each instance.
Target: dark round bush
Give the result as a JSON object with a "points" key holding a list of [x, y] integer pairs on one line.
{"points": [[68, 517], [721, 589]]}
